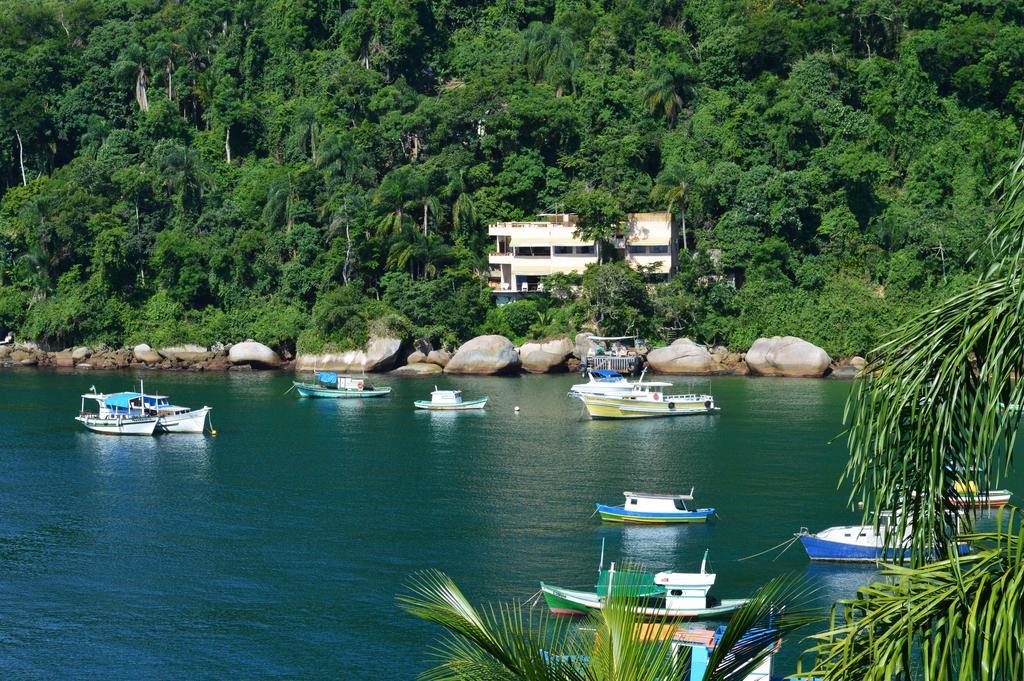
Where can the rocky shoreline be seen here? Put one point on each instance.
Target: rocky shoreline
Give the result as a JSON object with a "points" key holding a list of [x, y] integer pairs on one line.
{"points": [[786, 356]]}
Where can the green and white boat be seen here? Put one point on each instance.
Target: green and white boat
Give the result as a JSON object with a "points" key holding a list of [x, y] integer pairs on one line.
{"points": [[449, 400], [677, 595], [333, 386]]}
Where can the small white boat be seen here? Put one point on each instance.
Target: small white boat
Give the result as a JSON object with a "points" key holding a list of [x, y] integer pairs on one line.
{"points": [[449, 400], [645, 507], [603, 382], [119, 414]]}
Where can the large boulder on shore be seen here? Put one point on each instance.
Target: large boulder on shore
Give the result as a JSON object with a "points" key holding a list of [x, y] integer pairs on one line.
{"points": [[256, 355], [485, 355], [682, 357], [546, 356], [439, 357], [584, 345], [380, 354], [144, 353], [81, 354], [186, 353], [786, 356], [417, 369]]}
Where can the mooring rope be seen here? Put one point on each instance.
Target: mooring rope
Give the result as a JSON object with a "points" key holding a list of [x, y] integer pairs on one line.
{"points": [[787, 544]]}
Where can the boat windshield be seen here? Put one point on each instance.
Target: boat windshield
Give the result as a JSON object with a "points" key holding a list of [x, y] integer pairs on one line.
{"points": [[681, 505]]}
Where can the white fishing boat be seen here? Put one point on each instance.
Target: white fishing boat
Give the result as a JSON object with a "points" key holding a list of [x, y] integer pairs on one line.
{"points": [[119, 414], [449, 400], [130, 413]]}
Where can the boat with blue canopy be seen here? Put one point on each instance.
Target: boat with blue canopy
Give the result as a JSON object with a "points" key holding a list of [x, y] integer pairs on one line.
{"points": [[138, 413], [603, 382], [332, 385], [648, 508]]}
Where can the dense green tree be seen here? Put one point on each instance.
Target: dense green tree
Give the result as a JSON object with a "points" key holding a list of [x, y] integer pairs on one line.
{"points": [[838, 154]]}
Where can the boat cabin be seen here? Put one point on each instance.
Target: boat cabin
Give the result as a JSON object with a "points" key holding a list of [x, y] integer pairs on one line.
{"points": [[445, 396], [702, 643], [330, 379], [117, 404], [685, 590], [643, 502]]}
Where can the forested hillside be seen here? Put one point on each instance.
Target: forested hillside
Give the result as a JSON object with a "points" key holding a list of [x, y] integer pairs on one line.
{"points": [[307, 171]]}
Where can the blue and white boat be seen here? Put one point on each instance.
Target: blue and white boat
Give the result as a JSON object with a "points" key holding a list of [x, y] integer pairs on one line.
{"points": [[137, 413], [603, 382], [648, 508], [859, 543]]}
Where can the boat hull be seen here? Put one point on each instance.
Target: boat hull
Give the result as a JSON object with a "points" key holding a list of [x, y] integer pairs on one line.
{"points": [[193, 421], [609, 407], [573, 603], [839, 552], [307, 390], [617, 514], [120, 426], [462, 406], [994, 499]]}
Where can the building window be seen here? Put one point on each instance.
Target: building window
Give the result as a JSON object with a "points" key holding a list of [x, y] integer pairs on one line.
{"points": [[585, 250], [659, 249], [563, 250], [637, 250], [534, 251]]}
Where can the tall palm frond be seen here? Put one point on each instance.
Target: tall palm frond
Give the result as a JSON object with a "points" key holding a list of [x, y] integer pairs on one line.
{"points": [[929, 415], [549, 54], [511, 642], [960, 618]]}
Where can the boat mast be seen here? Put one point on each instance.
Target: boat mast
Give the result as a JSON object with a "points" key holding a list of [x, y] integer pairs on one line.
{"points": [[703, 562]]}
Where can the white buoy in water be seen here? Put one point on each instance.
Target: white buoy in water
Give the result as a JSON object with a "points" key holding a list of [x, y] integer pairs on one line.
{"points": [[517, 409]]}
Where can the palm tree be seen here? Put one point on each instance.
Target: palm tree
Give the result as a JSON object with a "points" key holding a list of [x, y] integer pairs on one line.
{"points": [[509, 642], [671, 88], [926, 419], [672, 187], [549, 55], [180, 171], [132, 66]]}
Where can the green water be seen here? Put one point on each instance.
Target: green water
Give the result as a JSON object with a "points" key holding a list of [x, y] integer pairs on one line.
{"points": [[275, 549]]}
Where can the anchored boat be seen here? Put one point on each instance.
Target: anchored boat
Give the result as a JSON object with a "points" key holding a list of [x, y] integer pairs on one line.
{"points": [[661, 595], [859, 543], [646, 400], [331, 385], [449, 400], [971, 497], [643, 507], [136, 413], [603, 382], [119, 414]]}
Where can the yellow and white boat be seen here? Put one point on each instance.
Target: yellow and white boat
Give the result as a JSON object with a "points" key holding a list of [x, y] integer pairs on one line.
{"points": [[647, 400]]}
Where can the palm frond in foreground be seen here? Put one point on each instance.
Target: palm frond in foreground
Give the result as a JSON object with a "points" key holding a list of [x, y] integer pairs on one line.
{"points": [[959, 618], [511, 642]]}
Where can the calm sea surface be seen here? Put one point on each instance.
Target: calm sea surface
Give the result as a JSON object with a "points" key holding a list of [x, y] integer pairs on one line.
{"points": [[275, 549]]}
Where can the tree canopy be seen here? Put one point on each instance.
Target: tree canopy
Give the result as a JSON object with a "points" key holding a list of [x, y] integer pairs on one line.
{"points": [[214, 170]]}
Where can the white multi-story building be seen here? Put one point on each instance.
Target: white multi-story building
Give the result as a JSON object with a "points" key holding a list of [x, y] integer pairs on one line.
{"points": [[526, 252]]}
